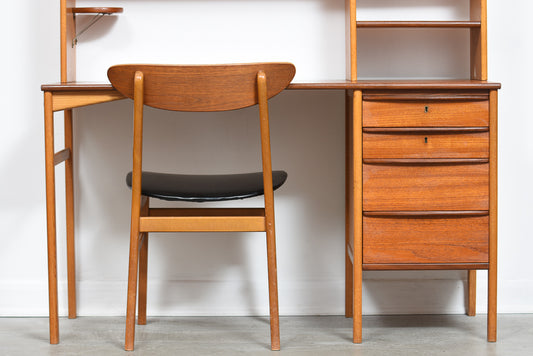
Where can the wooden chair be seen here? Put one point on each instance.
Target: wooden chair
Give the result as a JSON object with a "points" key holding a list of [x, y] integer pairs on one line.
{"points": [[199, 88]]}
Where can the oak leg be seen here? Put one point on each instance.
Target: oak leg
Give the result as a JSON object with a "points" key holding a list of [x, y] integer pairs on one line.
{"points": [[471, 308], [69, 194], [51, 217], [143, 279], [273, 288]]}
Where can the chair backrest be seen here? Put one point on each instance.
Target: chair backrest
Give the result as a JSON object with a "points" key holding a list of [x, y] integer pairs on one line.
{"points": [[201, 87]]}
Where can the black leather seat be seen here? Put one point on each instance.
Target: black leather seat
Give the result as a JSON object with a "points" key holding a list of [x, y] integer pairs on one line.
{"points": [[204, 188]]}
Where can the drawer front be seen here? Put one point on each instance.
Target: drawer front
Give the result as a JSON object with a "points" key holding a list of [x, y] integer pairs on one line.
{"points": [[423, 144], [425, 113], [425, 240], [406, 187]]}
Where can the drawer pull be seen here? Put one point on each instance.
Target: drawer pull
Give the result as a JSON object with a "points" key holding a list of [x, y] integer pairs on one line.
{"points": [[425, 214], [424, 130], [424, 161]]}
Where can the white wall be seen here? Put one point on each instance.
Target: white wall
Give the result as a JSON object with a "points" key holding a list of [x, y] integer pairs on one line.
{"points": [[197, 274]]}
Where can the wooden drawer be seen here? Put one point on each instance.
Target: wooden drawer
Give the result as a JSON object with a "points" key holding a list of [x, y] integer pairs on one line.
{"points": [[425, 240], [422, 113], [396, 185], [425, 143]]}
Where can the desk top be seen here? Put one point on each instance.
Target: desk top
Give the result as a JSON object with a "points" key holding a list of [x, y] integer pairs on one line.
{"points": [[340, 84]]}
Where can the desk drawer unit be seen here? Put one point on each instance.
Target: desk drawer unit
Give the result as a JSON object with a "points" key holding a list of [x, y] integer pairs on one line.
{"points": [[425, 179]]}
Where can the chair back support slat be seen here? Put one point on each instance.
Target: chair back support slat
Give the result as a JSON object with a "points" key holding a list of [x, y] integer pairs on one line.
{"points": [[201, 88]]}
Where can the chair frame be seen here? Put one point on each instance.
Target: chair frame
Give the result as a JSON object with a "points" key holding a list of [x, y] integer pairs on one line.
{"points": [[145, 219]]}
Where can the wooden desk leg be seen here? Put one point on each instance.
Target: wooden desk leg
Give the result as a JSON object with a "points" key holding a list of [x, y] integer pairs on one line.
{"points": [[51, 216], [358, 217], [493, 218], [471, 308], [348, 274], [69, 195]]}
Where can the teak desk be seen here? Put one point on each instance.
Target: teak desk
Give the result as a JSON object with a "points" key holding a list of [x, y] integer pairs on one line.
{"points": [[421, 163], [439, 134]]}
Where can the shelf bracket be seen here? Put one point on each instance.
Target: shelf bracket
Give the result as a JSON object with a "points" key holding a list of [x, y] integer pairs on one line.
{"points": [[94, 20]]}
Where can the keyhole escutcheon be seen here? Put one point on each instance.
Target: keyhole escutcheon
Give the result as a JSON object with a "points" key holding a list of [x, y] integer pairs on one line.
{"points": [[425, 140], [426, 108]]}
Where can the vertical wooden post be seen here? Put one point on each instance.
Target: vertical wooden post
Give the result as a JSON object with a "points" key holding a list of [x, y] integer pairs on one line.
{"points": [[358, 216], [68, 73], [493, 219], [69, 197], [51, 217], [471, 307], [478, 40], [351, 40], [349, 196]]}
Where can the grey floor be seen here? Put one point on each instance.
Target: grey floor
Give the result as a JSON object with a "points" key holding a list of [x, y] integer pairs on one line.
{"points": [[321, 335]]}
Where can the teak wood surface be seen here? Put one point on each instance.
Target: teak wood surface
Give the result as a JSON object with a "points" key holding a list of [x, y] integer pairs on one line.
{"points": [[421, 187], [425, 240]]}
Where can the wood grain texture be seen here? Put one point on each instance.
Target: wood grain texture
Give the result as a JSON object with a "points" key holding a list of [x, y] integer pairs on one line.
{"points": [[201, 88], [434, 187], [408, 240], [425, 113], [420, 144]]}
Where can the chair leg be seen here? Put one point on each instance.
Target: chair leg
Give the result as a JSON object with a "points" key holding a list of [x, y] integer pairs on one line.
{"points": [[273, 290], [143, 278], [132, 289]]}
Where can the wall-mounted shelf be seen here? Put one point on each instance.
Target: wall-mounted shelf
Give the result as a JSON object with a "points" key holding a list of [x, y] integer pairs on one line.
{"points": [[96, 10], [98, 13]]}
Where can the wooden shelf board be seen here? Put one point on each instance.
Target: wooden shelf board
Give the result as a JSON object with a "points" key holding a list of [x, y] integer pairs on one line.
{"points": [[418, 24], [96, 10]]}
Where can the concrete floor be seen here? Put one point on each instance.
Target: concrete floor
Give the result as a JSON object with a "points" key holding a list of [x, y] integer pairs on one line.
{"points": [[322, 335]]}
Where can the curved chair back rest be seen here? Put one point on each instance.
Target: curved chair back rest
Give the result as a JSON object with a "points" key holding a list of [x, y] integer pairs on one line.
{"points": [[201, 87]]}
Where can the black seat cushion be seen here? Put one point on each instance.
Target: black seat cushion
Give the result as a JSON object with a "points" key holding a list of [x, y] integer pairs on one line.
{"points": [[203, 188]]}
